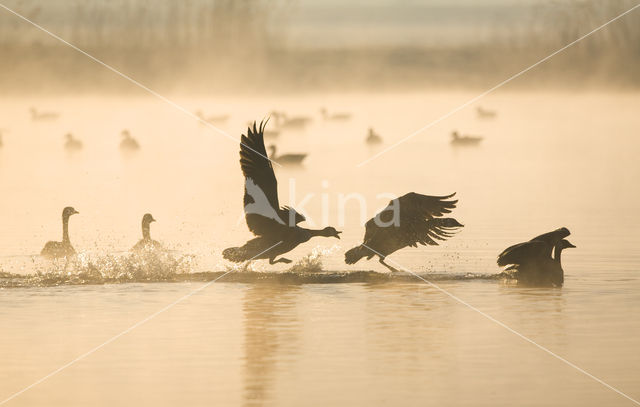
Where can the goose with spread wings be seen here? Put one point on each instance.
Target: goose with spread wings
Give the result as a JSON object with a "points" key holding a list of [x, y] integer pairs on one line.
{"points": [[537, 261], [276, 227], [409, 220]]}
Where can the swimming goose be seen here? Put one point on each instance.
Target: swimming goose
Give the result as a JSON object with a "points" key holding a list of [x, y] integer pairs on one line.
{"points": [[147, 244], [409, 220], [373, 137], [286, 159], [128, 143], [55, 250], [219, 119], [42, 116], [339, 117], [532, 262], [276, 227], [72, 144], [485, 113], [285, 122], [457, 139]]}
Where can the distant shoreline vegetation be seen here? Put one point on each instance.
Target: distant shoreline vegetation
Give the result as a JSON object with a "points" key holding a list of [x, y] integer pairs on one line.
{"points": [[242, 46]]}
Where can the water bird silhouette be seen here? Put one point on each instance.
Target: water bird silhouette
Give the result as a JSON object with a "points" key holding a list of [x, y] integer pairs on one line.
{"points": [[286, 159], [42, 116], [457, 139], [407, 221], [276, 227], [55, 250], [532, 262], [283, 121], [71, 143], [337, 117], [485, 113], [147, 244], [128, 143], [212, 119], [373, 138]]}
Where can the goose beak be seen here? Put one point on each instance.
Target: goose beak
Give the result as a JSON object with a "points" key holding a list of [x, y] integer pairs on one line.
{"points": [[570, 245], [337, 235], [153, 220], [75, 212]]}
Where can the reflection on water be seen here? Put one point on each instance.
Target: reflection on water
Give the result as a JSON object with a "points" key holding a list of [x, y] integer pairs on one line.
{"points": [[271, 337]]}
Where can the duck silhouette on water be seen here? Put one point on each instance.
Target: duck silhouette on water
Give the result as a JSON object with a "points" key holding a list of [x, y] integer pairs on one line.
{"points": [[336, 117], [459, 140], [56, 250], [407, 221], [72, 143], [485, 113], [128, 143], [286, 159], [538, 261], [276, 227], [42, 116], [373, 138], [147, 244]]}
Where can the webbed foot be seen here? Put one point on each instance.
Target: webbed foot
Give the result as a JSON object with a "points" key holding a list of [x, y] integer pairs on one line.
{"points": [[393, 270]]}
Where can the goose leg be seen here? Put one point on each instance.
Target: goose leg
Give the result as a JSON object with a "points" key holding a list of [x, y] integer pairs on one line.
{"points": [[388, 266], [280, 260]]}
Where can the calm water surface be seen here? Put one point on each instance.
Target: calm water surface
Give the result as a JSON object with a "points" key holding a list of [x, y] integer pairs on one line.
{"points": [[548, 160]]}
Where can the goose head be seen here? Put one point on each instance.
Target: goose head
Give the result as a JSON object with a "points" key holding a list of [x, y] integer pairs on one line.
{"points": [[272, 150], [68, 136], [330, 231], [125, 133], [68, 211], [147, 219]]}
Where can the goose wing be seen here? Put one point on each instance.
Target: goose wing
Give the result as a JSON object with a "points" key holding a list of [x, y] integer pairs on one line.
{"points": [[523, 253], [417, 221], [262, 209]]}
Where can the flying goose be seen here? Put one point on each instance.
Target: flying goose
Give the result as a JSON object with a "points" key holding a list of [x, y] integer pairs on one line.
{"points": [[286, 159], [276, 227], [457, 139], [42, 116], [339, 117], [72, 144], [532, 262], [409, 220], [373, 137], [55, 250], [485, 113], [128, 143], [147, 244]]}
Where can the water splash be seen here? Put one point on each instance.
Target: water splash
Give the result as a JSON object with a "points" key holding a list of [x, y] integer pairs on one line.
{"points": [[312, 262]]}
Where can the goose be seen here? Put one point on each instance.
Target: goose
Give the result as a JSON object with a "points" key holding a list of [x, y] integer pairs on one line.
{"points": [[55, 250], [373, 137], [457, 139], [276, 227], [334, 116], [147, 244], [285, 122], [219, 119], [286, 159], [128, 143], [42, 116], [72, 144], [532, 262], [409, 220], [485, 113]]}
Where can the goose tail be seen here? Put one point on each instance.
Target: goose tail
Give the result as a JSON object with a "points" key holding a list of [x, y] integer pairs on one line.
{"points": [[235, 254]]}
